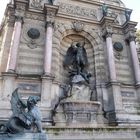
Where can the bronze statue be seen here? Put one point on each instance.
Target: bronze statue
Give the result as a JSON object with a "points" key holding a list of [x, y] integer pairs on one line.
{"points": [[51, 2], [76, 60], [76, 57], [104, 9], [26, 115], [128, 14]]}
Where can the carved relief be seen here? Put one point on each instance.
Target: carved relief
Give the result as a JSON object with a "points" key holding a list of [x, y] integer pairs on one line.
{"points": [[37, 4], [35, 16], [29, 87], [77, 11], [78, 26], [58, 25]]}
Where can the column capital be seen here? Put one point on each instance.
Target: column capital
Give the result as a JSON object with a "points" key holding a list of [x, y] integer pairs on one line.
{"points": [[107, 31], [130, 30], [50, 11], [20, 8], [130, 36], [49, 24], [18, 18], [107, 26]]}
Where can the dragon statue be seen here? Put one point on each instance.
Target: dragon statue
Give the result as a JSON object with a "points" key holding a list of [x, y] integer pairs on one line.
{"points": [[26, 115]]}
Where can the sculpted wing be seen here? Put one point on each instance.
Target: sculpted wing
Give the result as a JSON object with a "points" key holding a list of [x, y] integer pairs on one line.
{"points": [[70, 57], [85, 59], [17, 105]]}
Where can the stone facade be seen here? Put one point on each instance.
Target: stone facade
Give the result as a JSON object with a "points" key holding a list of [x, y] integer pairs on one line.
{"points": [[34, 41]]}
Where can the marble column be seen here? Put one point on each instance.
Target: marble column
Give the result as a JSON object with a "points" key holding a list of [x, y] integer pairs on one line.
{"points": [[110, 57], [134, 57], [114, 105], [48, 48], [12, 60]]}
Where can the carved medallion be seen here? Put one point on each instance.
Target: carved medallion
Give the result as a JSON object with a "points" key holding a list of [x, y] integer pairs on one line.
{"points": [[33, 33], [118, 46]]}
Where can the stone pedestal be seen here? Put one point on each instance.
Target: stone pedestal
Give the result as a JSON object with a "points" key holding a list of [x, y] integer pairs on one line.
{"points": [[8, 85], [46, 98], [25, 136]]}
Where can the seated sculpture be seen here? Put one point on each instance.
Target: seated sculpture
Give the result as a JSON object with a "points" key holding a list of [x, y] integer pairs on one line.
{"points": [[26, 115]]}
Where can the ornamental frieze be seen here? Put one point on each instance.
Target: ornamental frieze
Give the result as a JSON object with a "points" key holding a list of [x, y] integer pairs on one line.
{"points": [[77, 11]]}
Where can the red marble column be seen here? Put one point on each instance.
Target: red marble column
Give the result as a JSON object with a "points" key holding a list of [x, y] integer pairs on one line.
{"points": [[48, 48], [12, 60], [134, 57], [110, 57]]}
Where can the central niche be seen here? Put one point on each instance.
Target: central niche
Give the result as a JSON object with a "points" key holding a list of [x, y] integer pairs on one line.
{"points": [[65, 44]]}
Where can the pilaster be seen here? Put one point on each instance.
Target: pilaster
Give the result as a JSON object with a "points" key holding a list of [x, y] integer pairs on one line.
{"points": [[50, 12], [130, 30], [114, 100], [19, 15]]}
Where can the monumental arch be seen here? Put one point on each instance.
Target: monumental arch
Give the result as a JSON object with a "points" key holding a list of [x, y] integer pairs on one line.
{"points": [[99, 99]]}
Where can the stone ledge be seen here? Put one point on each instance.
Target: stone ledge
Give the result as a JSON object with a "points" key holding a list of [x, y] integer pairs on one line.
{"points": [[109, 133], [24, 136]]}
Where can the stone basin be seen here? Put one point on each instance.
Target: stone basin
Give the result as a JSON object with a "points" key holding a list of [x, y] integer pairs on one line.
{"points": [[83, 112]]}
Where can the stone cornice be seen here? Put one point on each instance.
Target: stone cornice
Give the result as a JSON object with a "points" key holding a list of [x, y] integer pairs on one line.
{"points": [[100, 4], [129, 26]]}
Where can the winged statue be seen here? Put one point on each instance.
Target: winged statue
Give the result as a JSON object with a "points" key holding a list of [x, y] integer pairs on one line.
{"points": [[76, 57], [26, 115], [76, 60]]}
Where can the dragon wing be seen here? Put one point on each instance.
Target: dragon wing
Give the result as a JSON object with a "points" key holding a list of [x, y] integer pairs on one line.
{"points": [[17, 105]]}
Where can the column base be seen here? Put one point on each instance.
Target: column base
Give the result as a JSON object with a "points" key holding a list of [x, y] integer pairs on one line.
{"points": [[48, 76], [11, 71]]}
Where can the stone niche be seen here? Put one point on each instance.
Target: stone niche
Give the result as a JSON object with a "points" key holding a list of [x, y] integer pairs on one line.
{"points": [[79, 107], [64, 45]]}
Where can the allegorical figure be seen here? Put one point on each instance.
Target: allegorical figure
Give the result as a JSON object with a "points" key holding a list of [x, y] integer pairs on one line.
{"points": [[104, 9], [76, 60], [51, 1], [128, 14]]}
